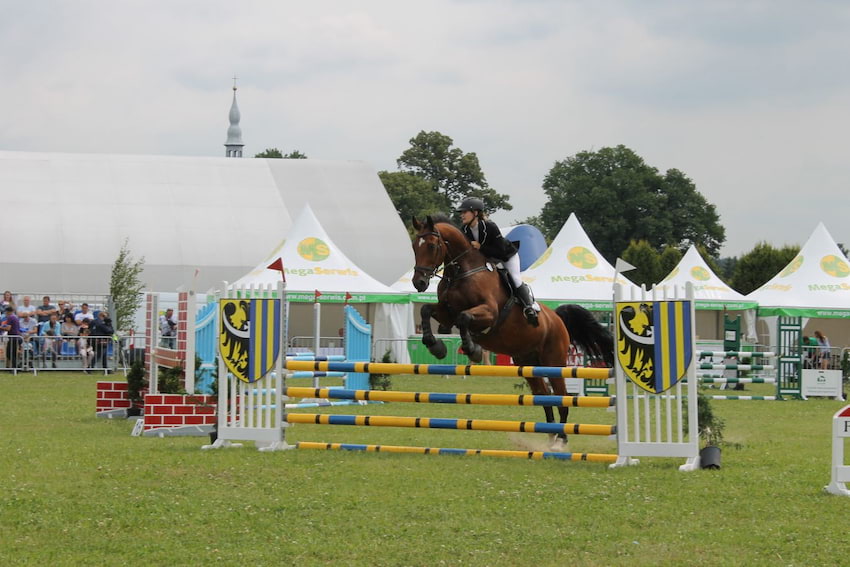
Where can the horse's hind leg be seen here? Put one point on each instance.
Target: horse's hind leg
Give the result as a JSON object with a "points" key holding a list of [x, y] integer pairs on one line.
{"points": [[435, 346]]}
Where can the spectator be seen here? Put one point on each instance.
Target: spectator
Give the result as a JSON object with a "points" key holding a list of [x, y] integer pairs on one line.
{"points": [[824, 350], [13, 329], [7, 301], [45, 310], [28, 329], [102, 332], [167, 328], [51, 330], [810, 347], [26, 307], [69, 328], [65, 308], [85, 349], [84, 315]]}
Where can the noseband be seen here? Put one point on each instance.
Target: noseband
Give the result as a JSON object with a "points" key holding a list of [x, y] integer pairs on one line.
{"points": [[430, 272]]}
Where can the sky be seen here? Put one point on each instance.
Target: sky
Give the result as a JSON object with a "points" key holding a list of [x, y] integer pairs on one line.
{"points": [[748, 99]]}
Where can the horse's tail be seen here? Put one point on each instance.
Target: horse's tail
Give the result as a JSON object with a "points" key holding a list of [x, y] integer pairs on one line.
{"points": [[587, 333]]}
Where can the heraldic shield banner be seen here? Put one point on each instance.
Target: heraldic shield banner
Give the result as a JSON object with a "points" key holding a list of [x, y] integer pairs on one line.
{"points": [[249, 340], [654, 342]]}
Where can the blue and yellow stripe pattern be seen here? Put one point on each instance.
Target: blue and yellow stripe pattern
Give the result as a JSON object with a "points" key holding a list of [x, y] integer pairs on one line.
{"points": [[264, 342], [532, 455], [451, 398], [452, 370], [672, 326], [445, 423]]}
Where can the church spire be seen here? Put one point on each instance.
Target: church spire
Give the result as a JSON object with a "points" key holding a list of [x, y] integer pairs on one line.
{"points": [[234, 143]]}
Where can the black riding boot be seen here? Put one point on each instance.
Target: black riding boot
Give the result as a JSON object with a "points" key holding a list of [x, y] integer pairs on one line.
{"points": [[523, 293]]}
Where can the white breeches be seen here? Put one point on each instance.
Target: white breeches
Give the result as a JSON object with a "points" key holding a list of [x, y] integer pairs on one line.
{"points": [[512, 264]]}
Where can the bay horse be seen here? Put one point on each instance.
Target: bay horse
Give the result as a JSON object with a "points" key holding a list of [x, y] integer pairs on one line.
{"points": [[472, 298]]}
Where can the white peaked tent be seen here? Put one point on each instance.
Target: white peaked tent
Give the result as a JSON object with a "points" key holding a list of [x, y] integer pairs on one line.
{"points": [[572, 270], [313, 262], [711, 294], [816, 283]]}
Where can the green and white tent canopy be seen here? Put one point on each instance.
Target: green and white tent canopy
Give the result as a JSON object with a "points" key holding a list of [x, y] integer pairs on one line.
{"points": [[710, 292], [312, 261], [572, 270], [816, 283]]}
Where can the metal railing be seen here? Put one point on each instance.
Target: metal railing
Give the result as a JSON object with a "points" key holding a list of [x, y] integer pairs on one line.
{"points": [[35, 353]]}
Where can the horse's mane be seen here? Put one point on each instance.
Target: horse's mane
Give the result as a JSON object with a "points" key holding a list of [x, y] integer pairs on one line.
{"points": [[441, 217]]}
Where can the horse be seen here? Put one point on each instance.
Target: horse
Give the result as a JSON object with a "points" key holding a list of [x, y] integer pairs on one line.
{"points": [[471, 297]]}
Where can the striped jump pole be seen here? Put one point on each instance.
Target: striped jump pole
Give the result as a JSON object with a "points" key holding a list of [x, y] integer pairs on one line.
{"points": [[442, 398], [313, 357], [749, 398], [533, 455], [303, 374], [452, 370], [710, 366], [734, 354], [444, 423], [738, 380]]}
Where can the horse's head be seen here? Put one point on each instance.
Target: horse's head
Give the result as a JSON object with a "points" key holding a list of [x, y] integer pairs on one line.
{"points": [[429, 249]]}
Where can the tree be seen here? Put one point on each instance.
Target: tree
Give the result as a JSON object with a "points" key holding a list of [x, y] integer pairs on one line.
{"points": [[411, 195], [759, 265], [125, 288], [647, 262], [449, 170], [270, 153], [619, 198], [276, 153]]}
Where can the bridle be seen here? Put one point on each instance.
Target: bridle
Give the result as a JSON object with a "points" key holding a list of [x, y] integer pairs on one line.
{"points": [[429, 272]]}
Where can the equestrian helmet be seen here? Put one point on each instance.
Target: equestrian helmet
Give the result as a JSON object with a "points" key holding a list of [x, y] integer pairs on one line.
{"points": [[471, 204]]}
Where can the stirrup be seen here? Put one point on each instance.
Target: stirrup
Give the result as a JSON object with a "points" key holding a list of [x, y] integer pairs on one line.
{"points": [[531, 316]]}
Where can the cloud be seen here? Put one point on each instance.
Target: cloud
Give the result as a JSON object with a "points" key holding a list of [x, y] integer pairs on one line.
{"points": [[747, 99]]}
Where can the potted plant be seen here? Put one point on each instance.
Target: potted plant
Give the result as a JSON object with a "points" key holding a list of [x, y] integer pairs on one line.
{"points": [[136, 384], [710, 431]]}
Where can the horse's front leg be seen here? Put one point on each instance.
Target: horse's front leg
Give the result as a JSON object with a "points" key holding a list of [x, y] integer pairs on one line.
{"points": [[435, 346], [479, 317]]}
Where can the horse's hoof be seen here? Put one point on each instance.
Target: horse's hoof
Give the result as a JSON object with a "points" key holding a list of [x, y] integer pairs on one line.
{"points": [[477, 355], [438, 349], [558, 444]]}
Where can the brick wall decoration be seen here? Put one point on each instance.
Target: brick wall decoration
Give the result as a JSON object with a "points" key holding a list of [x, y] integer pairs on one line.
{"points": [[112, 396], [170, 411]]}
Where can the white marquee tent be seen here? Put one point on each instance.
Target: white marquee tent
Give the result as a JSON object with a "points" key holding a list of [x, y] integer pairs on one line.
{"points": [[182, 214], [572, 270], [712, 296], [313, 262], [814, 285]]}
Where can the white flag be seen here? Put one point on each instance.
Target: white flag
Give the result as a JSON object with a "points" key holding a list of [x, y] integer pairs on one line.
{"points": [[623, 266]]}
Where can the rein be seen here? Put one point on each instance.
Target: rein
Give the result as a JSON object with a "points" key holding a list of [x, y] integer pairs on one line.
{"points": [[429, 272]]}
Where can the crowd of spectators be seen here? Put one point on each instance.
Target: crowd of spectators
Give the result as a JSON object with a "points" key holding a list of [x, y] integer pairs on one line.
{"points": [[47, 331]]}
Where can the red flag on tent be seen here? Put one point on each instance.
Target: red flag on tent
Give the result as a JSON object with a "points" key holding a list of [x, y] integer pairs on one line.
{"points": [[278, 265], [347, 296], [318, 294]]}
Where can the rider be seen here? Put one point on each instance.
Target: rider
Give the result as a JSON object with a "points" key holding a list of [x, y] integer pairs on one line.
{"points": [[486, 237]]}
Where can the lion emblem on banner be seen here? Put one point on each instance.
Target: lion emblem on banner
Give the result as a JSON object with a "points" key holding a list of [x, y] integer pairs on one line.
{"points": [[654, 342], [249, 340]]}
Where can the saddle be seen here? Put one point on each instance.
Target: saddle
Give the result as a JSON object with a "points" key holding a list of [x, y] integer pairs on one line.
{"points": [[508, 285]]}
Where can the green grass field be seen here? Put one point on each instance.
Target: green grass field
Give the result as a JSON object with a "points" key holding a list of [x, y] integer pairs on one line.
{"points": [[77, 490]]}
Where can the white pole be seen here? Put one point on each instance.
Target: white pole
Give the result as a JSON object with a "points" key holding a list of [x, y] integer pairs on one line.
{"points": [[317, 331]]}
